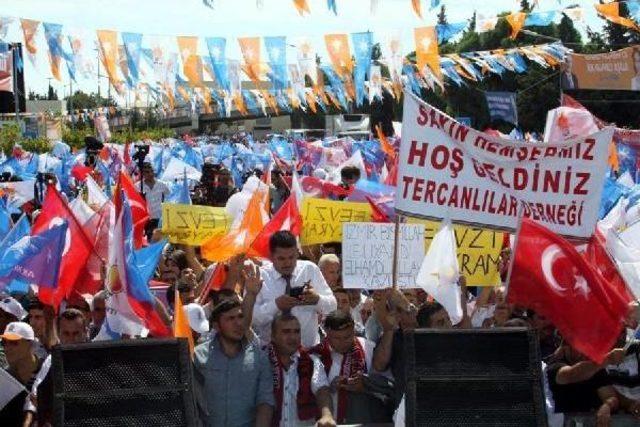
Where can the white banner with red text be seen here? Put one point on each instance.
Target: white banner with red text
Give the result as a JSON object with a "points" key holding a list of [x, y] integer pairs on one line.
{"points": [[448, 169]]}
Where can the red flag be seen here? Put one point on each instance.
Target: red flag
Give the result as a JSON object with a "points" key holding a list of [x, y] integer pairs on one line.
{"points": [[139, 212], [77, 248], [552, 278], [215, 283], [126, 157], [80, 172], [598, 257], [97, 228], [377, 215], [392, 178], [287, 218]]}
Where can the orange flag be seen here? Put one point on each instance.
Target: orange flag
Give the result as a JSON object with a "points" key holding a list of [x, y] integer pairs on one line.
{"points": [[384, 143], [417, 8], [108, 41], [250, 47], [302, 6], [516, 20], [239, 240], [614, 162], [427, 51], [611, 12], [181, 328], [191, 64], [339, 53], [29, 29]]}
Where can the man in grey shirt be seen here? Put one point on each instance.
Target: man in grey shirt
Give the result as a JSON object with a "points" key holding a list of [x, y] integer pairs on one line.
{"points": [[236, 375]]}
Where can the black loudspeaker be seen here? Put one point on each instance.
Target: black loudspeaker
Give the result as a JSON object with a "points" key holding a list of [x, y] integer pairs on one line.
{"points": [[486, 377], [143, 383]]}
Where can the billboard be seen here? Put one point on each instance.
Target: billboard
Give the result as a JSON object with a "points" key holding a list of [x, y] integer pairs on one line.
{"points": [[618, 70]]}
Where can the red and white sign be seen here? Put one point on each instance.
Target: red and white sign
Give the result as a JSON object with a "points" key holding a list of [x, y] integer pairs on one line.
{"points": [[6, 72], [447, 169]]}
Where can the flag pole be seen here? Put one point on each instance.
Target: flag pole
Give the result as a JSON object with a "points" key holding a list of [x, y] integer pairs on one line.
{"points": [[515, 246], [396, 238]]}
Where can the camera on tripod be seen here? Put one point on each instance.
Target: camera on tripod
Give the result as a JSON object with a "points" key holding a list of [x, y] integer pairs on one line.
{"points": [[92, 148], [141, 152]]}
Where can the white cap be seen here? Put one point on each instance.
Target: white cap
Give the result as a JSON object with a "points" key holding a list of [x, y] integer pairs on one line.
{"points": [[11, 306], [18, 331], [197, 319]]}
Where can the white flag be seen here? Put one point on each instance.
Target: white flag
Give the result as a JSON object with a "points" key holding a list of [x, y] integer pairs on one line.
{"points": [[627, 259], [439, 272], [175, 169], [95, 195]]}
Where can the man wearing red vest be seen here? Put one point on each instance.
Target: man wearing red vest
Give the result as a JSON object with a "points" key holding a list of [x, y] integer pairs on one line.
{"points": [[300, 385]]}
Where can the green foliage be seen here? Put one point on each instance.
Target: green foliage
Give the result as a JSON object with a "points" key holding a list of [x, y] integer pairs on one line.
{"points": [[10, 136], [81, 100]]}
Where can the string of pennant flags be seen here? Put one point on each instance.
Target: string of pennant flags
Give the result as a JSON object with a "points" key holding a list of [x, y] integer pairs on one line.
{"points": [[175, 72]]}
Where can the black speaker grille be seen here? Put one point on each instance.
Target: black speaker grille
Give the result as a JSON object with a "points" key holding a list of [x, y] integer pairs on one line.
{"points": [[473, 378], [137, 383], [129, 409]]}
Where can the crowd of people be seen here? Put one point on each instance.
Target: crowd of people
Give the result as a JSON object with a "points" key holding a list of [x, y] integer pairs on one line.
{"points": [[281, 342]]}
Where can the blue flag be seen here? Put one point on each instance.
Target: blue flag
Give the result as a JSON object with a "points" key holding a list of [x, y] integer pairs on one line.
{"points": [[447, 31], [362, 48], [53, 34], [277, 53], [184, 197], [217, 57], [19, 230], [5, 221], [36, 259], [333, 7], [502, 106], [541, 19], [132, 48]]}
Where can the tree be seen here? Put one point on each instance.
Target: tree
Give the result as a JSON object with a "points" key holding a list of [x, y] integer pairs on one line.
{"points": [[525, 6], [472, 22], [568, 34], [52, 94], [442, 16]]}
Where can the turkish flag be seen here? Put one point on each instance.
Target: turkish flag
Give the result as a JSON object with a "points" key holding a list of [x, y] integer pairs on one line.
{"points": [[139, 212], [550, 277], [287, 218], [76, 251], [98, 229]]}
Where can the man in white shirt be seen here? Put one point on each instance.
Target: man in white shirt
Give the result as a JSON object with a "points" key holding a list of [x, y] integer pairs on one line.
{"points": [[347, 359], [155, 192], [300, 385], [294, 286]]}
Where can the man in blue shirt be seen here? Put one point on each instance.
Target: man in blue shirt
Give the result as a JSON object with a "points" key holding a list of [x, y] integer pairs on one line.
{"points": [[236, 375]]}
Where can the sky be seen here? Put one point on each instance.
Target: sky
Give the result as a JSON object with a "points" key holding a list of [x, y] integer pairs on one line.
{"points": [[165, 19]]}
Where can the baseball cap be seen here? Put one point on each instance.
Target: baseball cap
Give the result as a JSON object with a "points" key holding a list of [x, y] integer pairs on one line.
{"points": [[13, 307], [197, 319], [18, 331]]}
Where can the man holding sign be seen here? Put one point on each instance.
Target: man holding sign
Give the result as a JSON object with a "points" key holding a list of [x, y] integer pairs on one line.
{"points": [[291, 286]]}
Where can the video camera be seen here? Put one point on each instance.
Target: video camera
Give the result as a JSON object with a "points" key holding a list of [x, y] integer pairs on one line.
{"points": [[141, 152], [92, 148]]}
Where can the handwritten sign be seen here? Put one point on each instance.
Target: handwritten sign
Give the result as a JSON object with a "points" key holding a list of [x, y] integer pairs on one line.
{"points": [[478, 251], [193, 224], [367, 255], [323, 219]]}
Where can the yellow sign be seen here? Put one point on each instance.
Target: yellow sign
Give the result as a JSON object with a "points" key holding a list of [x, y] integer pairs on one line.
{"points": [[193, 224], [478, 251], [322, 219]]}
